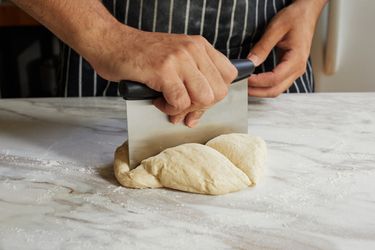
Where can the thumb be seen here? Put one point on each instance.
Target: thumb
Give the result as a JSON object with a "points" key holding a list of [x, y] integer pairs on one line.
{"points": [[268, 41]]}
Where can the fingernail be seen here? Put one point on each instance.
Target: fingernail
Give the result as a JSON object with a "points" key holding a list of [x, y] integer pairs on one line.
{"points": [[174, 120], [192, 123], [254, 58]]}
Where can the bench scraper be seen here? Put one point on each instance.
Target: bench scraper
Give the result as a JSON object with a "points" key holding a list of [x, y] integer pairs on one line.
{"points": [[150, 132]]}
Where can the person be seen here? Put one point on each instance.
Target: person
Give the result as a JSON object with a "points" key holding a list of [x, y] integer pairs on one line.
{"points": [[181, 47]]}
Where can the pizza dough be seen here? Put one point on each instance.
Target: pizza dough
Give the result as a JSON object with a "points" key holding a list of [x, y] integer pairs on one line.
{"points": [[219, 167]]}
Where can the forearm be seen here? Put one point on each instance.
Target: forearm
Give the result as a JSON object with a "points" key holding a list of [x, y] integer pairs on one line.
{"points": [[81, 24]]}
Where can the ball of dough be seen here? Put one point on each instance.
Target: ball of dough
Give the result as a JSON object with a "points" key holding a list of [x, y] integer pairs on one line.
{"points": [[245, 151], [189, 167]]}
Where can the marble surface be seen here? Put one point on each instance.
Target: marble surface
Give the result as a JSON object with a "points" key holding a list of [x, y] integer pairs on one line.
{"points": [[57, 189]]}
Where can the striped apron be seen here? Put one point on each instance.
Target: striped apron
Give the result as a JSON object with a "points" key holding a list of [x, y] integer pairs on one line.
{"points": [[232, 26]]}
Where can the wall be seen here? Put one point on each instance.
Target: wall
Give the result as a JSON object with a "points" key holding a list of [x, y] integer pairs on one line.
{"points": [[356, 48]]}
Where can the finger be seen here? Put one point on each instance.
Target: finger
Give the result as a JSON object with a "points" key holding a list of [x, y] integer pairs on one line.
{"points": [[270, 91], [273, 34], [265, 92], [176, 98], [209, 69], [199, 92], [214, 78], [227, 70], [175, 119], [272, 78], [192, 118], [199, 89], [288, 66]]}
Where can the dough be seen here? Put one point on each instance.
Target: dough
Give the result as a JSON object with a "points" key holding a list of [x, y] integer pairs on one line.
{"points": [[189, 167], [138, 177], [247, 152], [227, 164]]}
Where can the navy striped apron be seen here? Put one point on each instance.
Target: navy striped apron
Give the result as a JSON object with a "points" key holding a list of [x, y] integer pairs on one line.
{"points": [[232, 26]]}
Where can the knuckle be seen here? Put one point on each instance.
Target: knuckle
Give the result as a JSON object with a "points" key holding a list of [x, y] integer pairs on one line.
{"points": [[206, 100], [154, 82], [175, 94], [180, 53], [165, 64], [190, 45], [200, 39], [194, 45], [196, 114], [185, 103], [176, 118], [221, 94], [169, 61], [199, 113], [180, 105], [231, 74]]}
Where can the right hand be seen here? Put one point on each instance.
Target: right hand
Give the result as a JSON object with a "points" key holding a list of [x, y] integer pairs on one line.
{"points": [[190, 73]]}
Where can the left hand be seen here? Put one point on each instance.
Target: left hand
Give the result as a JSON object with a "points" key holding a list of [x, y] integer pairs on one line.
{"points": [[291, 31]]}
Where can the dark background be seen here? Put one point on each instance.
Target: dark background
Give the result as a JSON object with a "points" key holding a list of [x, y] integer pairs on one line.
{"points": [[28, 56]]}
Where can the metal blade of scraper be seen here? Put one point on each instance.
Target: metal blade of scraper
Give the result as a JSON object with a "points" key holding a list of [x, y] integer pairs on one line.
{"points": [[150, 132]]}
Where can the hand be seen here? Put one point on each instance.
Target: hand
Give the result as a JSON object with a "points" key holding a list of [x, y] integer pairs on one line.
{"points": [[291, 31], [190, 73]]}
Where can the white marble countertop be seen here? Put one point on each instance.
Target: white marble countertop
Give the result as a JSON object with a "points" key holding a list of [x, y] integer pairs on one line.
{"points": [[57, 189]]}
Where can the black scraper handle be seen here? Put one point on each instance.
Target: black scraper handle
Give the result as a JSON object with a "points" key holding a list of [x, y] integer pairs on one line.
{"points": [[131, 90]]}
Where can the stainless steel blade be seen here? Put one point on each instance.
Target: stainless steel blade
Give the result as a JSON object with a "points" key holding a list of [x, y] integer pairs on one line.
{"points": [[150, 132]]}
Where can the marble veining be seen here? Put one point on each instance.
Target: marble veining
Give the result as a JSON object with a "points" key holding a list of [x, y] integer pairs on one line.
{"points": [[57, 189]]}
